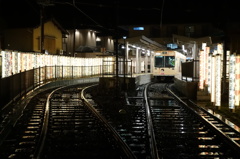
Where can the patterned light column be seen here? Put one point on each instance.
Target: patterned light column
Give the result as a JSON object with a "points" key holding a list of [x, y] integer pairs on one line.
{"points": [[213, 79], [237, 80], [218, 80], [201, 70], [231, 81], [207, 50], [137, 61], [209, 72]]}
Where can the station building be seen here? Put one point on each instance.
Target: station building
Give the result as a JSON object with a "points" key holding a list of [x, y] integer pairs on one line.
{"points": [[135, 46]]}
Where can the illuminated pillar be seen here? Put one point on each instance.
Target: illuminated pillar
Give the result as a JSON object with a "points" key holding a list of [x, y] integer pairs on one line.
{"points": [[204, 63], [137, 61], [201, 70], [207, 50], [146, 62], [218, 80], [213, 79], [220, 48], [237, 80], [127, 51], [227, 63], [194, 51], [209, 72], [140, 60], [151, 62], [231, 82], [126, 57]]}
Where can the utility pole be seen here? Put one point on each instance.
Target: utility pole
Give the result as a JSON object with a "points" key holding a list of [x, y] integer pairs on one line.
{"points": [[116, 47], [42, 29], [42, 4]]}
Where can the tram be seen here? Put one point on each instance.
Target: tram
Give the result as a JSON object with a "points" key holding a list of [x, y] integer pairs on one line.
{"points": [[167, 65]]}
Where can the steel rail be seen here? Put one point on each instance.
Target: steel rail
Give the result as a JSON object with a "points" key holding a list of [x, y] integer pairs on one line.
{"points": [[37, 154], [124, 147], [152, 140], [210, 114], [226, 138]]}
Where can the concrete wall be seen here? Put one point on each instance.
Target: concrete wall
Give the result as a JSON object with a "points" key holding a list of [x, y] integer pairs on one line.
{"points": [[142, 79], [189, 89], [108, 83]]}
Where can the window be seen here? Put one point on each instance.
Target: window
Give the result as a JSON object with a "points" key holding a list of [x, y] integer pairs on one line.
{"points": [[164, 61], [169, 61], [159, 61]]}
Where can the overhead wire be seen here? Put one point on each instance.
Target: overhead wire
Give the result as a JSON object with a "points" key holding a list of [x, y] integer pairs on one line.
{"points": [[76, 7]]}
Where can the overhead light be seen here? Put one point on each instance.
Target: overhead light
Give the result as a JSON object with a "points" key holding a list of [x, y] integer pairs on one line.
{"points": [[98, 39]]}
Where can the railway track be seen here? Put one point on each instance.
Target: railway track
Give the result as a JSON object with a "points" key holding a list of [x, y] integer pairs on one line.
{"points": [[62, 123], [184, 130], [168, 126], [151, 123], [128, 120], [24, 136]]}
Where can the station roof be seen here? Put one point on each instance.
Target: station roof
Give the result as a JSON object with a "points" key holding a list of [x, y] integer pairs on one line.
{"points": [[144, 42], [189, 42]]}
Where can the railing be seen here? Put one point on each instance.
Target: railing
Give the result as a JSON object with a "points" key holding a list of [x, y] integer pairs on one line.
{"points": [[16, 86]]}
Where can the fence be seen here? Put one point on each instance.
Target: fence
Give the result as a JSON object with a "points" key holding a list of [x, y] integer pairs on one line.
{"points": [[16, 86]]}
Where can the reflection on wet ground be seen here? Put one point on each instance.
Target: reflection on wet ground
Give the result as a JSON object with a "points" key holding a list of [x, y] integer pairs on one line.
{"points": [[224, 120]]}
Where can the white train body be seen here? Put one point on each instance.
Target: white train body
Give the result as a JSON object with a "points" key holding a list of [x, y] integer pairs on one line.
{"points": [[167, 64]]}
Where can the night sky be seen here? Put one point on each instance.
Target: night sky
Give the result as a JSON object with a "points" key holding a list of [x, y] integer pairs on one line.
{"points": [[71, 13]]}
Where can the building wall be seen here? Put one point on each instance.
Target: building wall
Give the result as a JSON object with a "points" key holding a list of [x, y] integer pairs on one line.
{"points": [[52, 36], [18, 39], [87, 37], [107, 43], [76, 38]]}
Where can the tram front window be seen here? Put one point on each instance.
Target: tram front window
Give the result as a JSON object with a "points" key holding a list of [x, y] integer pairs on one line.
{"points": [[159, 61], [164, 61], [169, 61]]}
